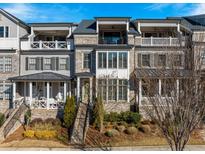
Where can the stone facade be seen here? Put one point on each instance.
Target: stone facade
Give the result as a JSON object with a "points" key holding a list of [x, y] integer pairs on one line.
{"points": [[44, 114], [85, 39]]}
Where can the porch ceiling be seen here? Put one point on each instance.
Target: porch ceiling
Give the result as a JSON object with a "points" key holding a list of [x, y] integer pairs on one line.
{"points": [[44, 76]]}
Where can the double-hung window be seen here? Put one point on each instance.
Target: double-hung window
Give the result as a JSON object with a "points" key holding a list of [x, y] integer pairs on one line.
{"points": [[122, 90], [122, 60], [32, 63], [5, 64], [86, 60], [112, 89], [112, 60], [63, 63], [47, 63], [4, 31], [7, 92], [146, 60], [102, 60]]}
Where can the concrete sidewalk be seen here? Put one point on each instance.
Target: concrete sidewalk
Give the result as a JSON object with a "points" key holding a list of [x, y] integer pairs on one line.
{"points": [[136, 148]]}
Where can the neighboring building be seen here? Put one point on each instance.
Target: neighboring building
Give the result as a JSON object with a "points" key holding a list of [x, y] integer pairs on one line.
{"points": [[42, 63]]}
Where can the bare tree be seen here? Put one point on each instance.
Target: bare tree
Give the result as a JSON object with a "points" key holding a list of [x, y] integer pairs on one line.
{"points": [[178, 107]]}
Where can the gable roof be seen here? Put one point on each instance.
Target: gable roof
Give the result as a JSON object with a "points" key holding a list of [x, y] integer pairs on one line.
{"points": [[13, 18], [43, 76]]}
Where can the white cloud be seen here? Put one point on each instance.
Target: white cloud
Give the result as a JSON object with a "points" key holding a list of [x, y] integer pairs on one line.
{"points": [[197, 9], [22, 11], [158, 6]]}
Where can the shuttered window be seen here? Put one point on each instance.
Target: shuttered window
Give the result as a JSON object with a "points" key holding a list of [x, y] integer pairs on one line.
{"points": [[32, 63], [47, 63], [62, 63]]}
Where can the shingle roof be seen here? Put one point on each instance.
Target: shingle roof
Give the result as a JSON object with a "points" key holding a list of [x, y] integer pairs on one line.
{"points": [[44, 76], [85, 74], [155, 73], [86, 27]]}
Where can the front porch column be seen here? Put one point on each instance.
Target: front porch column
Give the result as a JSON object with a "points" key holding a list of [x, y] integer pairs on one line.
{"points": [[177, 82], [160, 87], [78, 89], [30, 93], [14, 94], [47, 94], [140, 92], [91, 90], [65, 91]]}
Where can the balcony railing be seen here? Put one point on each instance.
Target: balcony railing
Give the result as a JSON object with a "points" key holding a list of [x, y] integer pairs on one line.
{"points": [[161, 41], [49, 45], [112, 41]]}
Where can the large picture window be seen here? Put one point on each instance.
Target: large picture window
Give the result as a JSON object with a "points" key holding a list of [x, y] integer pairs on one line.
{"points": [[102, 60]]}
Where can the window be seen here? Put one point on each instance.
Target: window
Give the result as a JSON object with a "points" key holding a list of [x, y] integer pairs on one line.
{"points": [[102, 60], [1, 31], [5, 64], [4, 31], [112, 60], [32, 63], [146, 60], [1, 91], [149, 87], [122, 60], [7, 92], [8, 64], [102, 87], [177, 60], [167, 87], [112, 89], [63, 64], [47, 63], [122, 90], [161, 60], [86, 60]]}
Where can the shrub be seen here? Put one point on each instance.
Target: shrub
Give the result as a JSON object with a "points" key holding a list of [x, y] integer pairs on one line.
{"points": [[145, 129], [112, 117], [28, 133], [27, 117], [43, 126], [36, 121], [55, 122], [45, 134], [2, 118], [63, 136], [108, 133], [120, 128], [69, 112], [131, 130], [131, 117], [98, 113]]}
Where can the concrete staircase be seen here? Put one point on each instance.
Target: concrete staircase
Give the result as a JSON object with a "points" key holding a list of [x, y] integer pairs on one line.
{"points": [[81, 124], [14, 119]]}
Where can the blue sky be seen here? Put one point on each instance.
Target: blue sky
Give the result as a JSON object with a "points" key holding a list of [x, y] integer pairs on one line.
{"points": [[74, 12]]}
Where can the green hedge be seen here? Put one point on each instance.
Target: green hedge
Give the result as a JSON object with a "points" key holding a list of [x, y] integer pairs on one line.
{"points": [[128, 117]]}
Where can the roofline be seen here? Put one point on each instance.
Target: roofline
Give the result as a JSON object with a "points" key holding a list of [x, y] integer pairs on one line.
{"points": [[52, 24], [112, 17], [155, 19]]}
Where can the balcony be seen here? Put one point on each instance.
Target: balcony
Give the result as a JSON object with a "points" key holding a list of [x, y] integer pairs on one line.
{"points": [[161, 41], [46, 45]]}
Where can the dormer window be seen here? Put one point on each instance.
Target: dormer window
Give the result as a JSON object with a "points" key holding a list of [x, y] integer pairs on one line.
{"points": [[4, 31]]}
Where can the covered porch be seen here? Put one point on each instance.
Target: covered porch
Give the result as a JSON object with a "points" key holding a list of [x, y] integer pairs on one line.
{"points": [[45, 90]]}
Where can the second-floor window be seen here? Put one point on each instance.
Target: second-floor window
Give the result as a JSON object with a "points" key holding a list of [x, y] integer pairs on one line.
{"points": [[4, 31], [102, 60], [146, 60], [5, 64], [47, 63], [177, 59], [123, 60], [32, 64], [63, 64], [162, 60], [86, 60], [112, 60]]}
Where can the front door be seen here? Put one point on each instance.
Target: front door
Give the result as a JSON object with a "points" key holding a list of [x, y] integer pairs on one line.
{"points": [[85, 90]]}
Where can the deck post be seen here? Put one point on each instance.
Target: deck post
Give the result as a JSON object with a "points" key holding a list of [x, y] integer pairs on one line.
{"points": [[78, 89], [30, 93], [14, 94], [48, 93]]}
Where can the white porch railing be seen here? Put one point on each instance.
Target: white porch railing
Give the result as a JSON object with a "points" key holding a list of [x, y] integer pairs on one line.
{"points": [[49, 44], [45, 104], [160, 41]]}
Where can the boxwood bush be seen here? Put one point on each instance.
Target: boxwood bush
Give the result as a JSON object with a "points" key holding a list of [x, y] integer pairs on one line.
{"points": [[2, 118]]}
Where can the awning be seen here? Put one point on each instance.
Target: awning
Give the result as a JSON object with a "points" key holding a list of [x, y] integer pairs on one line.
{"points": [[44, 76]]}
